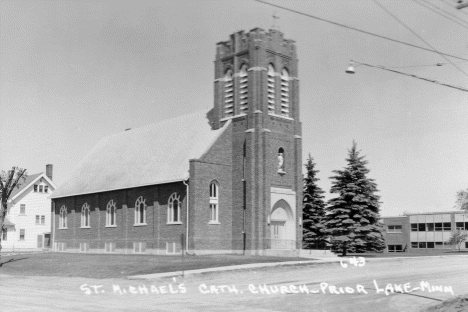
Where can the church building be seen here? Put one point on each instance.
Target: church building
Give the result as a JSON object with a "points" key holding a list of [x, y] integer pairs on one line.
{"points": [[224, 181]]}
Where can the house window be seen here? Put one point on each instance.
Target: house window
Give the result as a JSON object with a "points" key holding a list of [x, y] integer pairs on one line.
{"points": [[421, 227], [271, 89], [62, 246], [414, 227], [22, 234], [395, 248], [40, 219], [243, 89], [438, 227], [111, 213], [414, 245], [46, 189], [460, 226], [140, 211], [63, 218], [394, 229], [173, 209], [422, 244], [40, 188], [85, 216], [430, 245], [22, 209], [35, 188], [4, 234], [284, 93], [214, 202], [228, 94]]}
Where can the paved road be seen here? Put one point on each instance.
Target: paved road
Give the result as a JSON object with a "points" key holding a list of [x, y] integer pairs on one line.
{"points": [[252, 290]]}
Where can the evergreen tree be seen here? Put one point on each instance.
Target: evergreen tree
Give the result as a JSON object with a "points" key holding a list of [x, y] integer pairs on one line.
{"points": [[352, 218], [313, 209]]}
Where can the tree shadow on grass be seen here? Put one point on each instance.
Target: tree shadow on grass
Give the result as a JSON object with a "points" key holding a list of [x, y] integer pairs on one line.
{"points": [[12, 260]]}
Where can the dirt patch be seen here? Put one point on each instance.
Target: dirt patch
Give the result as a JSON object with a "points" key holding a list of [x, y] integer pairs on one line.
{"points": [[459, 304]]}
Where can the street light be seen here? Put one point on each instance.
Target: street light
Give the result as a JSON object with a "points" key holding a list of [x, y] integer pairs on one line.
{"points": [[352, 70]]}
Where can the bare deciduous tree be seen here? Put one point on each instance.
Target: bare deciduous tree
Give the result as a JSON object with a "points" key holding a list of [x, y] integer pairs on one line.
{"points": [[8, 181]]}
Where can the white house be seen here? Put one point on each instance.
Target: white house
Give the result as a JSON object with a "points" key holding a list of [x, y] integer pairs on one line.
{"points": [[28, 220]]}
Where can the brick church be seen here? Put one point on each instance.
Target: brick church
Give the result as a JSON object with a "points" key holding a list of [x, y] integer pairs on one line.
{"points": [[224, 181]]}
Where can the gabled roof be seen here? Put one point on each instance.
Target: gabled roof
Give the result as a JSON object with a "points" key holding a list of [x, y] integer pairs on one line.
{"points": [[153, 154], [30, 179]]}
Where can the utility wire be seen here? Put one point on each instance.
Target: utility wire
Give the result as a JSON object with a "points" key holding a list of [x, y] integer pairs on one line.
{"points": [[356, 29], [414, 76], [437, 12], [442, 10], [414, 33], [450, 5]]}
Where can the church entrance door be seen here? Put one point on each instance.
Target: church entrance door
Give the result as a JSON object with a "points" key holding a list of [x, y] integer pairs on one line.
{"points": [[277, 235]]}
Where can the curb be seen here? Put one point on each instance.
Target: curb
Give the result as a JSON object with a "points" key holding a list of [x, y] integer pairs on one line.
{"points": [[263, 265]]}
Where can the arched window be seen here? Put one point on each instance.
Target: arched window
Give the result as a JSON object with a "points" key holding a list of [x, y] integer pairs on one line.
{"points": [[140, 211], [63, 218], [244, 89], [228, 94], [284, 92], [173, 209], [214, 202], [111, 213], [271, 89], [85, 216], [281, 160]]}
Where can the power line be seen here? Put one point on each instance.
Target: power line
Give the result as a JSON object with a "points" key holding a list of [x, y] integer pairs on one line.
{"points": [[359, 30], [440, 9], [414, 76], [421, 38], [452, 6], [437, 12]]}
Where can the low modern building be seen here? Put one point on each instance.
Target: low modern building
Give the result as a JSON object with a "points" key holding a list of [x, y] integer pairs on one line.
{"points": [[27, 223], [423, 231]]}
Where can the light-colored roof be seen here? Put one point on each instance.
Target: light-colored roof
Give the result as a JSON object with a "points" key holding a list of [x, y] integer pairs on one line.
{"points": [[24, 184], [153, 154], [30, 179]]}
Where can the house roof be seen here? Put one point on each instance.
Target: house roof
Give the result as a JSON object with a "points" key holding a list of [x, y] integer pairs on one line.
{"points": [[153, 154], [24, 184]]}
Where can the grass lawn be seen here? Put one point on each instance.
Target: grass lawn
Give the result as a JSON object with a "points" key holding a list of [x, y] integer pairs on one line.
{"points": [[446, 252], [113, 266]]}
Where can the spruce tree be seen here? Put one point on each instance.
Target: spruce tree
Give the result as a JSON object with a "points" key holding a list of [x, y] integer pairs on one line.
{"points": [[352, 218], [313, 209]]}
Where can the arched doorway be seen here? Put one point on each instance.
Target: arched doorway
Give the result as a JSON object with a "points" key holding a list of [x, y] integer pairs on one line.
{"points": [[281, 226]]}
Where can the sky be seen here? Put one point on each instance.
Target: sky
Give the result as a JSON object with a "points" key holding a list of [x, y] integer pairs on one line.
{"points": [[73, 72]]}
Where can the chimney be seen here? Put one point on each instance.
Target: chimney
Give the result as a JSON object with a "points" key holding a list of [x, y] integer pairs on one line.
{"points": [[49, 168]]}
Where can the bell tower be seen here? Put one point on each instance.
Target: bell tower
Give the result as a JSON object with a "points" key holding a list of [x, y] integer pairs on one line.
{"points": [[256, 87]]}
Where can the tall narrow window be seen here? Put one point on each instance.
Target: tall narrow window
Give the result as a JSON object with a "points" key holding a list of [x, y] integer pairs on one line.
{"points": [[22, 209], [63, 218], [173, 209], [284, 92], [22, 234], [4, 234], [140, 211], [214, 202], [228, 94], [110, 213], [271, 89], [85, 216], [244, 89]]}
